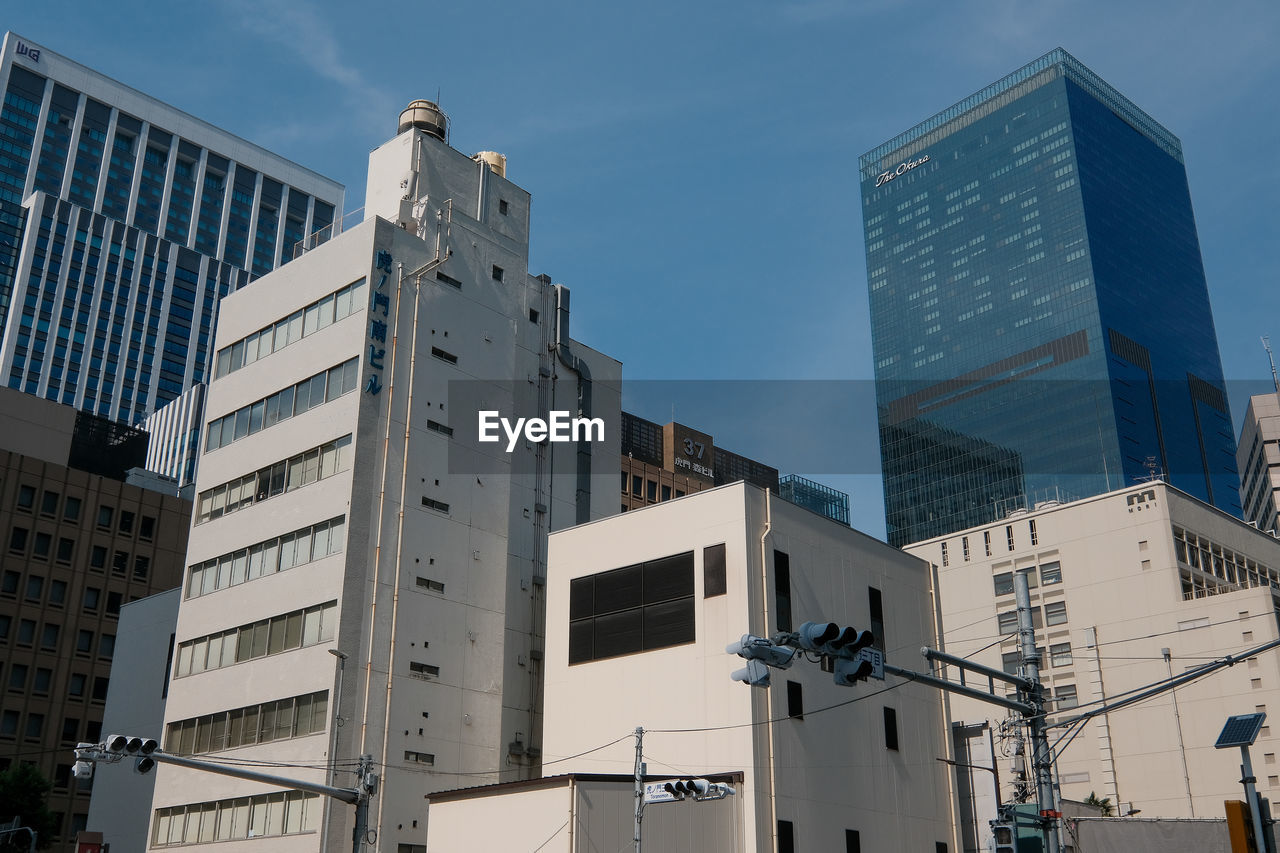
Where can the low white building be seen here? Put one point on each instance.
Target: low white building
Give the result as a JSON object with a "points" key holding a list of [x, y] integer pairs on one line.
{"points": [[1128, 589], [640, 608]]}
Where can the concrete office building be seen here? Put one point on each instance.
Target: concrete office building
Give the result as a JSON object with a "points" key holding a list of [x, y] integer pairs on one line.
{"points": [[640, 608], [369, 576], [79, 542], [1040, 319], [122, 222], [1128, 589], [1259, 460], [662, 462]]}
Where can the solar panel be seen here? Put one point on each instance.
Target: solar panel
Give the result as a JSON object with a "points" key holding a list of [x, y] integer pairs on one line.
{"points": [[1240, 731]]}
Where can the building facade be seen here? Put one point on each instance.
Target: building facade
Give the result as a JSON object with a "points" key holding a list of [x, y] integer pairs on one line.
{"points": [[1128, 589], [123, 222], [1259, 460], [388, 597], [1040, 319], [78, 545], [640, 608]]}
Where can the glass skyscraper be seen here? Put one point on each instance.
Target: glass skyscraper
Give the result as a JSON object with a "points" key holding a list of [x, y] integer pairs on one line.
{"points": [[123, 221], [1040, 320]]}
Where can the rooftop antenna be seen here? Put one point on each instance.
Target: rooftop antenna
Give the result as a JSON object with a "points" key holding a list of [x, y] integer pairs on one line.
{"points": [[1266, 345]]}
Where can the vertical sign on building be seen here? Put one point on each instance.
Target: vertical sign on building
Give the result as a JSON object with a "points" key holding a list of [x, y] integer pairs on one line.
{"points": [[378, 327]]}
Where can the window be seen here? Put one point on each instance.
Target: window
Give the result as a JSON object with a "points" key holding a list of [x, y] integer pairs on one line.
{"points": [[786, 837], [18, 540], [84, 641], [126, 522], [49, 636], [1010, 662], [49, 503], [66, 548], [782, 589], [107, 645], [1003, 583], [1051, 573], [98, 558], [105, 514], [258, 816], [77, 683], [26, 497], [498, 273], [438, 506], [964, 545], [533, 315], [633, 609], [503, 207], [279, 719], [1055, 613], [713, 571], [1008, 532], [288, 631], [114, 600], [1007, 622], [70, 730], [26, 632], [35, 726], [424, 670], [40, 684], [71, 509], [100, 689], [18, 676], [1035, 539], [146, 528], [1065, 695], [9, 583], [430, 585], [419, 757], [795, 700], [876, 605], [945, 561], [1060, 654], [637, 485], [92, 597], [890, 728], [666, 493], [141, 567], [986, 542], [852, 842], [35, 588], [652, 491], [9, 724], [43, 545], [444, 356]]}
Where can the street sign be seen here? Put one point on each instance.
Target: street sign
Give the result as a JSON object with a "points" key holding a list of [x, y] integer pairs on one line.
{"points": [[654, 792], [876, 658]]}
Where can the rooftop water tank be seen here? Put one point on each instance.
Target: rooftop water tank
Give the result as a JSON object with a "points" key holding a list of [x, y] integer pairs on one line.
{"points": [[496, 162], [426, 116]]}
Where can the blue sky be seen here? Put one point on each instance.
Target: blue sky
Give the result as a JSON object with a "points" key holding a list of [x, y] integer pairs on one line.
{"points": [[694, 166]]}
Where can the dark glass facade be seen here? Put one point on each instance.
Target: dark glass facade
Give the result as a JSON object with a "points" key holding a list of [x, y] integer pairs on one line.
{"points": [[1040, 320], [103, 302]]}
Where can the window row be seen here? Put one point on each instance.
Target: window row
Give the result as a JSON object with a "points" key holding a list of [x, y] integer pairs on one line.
{"points": [[266, 558], [42, 547], [1050, 574], [286, 813], [325, 386], [280, 719], [318, 315], [34, 590], [126, 521], [1054, 613], [1059, 655], [272, 636], [301, 470]]}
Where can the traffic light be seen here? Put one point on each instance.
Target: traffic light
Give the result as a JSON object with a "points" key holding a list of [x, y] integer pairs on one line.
{"points": [[1005, 838], [128, 745], [828, 638], [761, 654], [84, 760], [849, 671], [681, 788]]}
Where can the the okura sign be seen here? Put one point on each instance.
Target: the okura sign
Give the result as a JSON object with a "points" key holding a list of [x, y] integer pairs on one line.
{"points": [[903, 168]]}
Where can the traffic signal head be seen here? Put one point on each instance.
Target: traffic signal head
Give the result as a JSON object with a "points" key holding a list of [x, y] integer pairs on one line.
{"points": [[120, 744], [762, 649], [681, 788], [850, 671], [144, 764], [117, 743], [1004, 837], [832, 639], [754, 673]]}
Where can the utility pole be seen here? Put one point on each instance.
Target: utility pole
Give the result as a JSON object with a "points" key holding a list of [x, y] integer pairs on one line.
{"points": [[639, 784], [1041, 757]]}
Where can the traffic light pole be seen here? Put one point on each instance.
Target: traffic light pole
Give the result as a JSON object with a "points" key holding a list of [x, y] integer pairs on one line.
{"points": [[639, 784]]}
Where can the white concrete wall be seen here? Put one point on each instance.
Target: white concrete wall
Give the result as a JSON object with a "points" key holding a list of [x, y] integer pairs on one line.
{"points": [[827, 773]]}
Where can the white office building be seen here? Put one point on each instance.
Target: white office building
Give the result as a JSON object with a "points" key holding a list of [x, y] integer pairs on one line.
{"points": [[1258, 459], [640, 609], [1127, 589], [365, 575], [123, 221]]}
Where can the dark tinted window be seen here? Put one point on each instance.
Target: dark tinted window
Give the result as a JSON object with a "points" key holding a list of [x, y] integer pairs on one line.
{"points": [[713, 571], [632, 609]]}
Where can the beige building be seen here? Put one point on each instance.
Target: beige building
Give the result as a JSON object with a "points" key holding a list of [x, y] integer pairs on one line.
{"points": [[640, 608], [1127, 589], [1258, 459]]}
